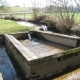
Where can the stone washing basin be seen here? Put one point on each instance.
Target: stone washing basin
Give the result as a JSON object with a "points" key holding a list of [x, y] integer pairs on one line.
{"points": [[45, 54]]}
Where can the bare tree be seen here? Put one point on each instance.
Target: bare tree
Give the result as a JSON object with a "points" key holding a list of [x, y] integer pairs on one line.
{"points": [[38, 10], [77, 2], [35, 9], [4, 6], [2, 2], [65, 14]]}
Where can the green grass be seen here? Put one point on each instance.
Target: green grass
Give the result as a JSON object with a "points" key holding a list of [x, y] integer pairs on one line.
{"points": [[77, 16], [8, 26], [27, 16], [15, 9], [20, 9]]}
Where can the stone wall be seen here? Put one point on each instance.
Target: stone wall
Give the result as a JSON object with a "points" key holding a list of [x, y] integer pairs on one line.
{"points": [[20, 35], [18, 53], [59, 38], [53, 37], [57, 64]]}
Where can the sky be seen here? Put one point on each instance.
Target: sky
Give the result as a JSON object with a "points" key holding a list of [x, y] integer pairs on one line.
{"points": [[27, 3]]}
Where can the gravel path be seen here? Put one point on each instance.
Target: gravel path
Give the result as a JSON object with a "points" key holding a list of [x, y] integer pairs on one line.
{"points": [[6, 68]]}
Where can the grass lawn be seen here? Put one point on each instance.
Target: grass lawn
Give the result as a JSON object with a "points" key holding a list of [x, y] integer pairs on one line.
{"points": [[29, 16], [16, 9], [77, 16], [8, 26], [20, 9]]}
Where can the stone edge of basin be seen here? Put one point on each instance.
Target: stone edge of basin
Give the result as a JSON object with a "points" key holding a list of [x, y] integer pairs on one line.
{"points": [[20, 47], [57, 34]]}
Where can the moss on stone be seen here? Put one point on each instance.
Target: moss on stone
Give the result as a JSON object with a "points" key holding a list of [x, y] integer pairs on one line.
{"points": [[72, 51]]}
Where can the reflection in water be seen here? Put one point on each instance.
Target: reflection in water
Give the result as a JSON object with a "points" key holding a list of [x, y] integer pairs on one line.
{"points": [[6, 68]]}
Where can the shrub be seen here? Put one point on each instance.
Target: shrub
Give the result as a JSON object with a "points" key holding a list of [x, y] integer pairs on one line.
{"points": [[46, 20], [64, 26], [13, 18], [76, 29]]}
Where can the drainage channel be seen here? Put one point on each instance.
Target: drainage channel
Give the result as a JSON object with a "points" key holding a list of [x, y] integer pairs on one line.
{"points": [[7, 70]]}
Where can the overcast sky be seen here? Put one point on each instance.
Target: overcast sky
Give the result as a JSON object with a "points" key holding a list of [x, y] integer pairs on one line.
{"points": [[27, 3]]}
